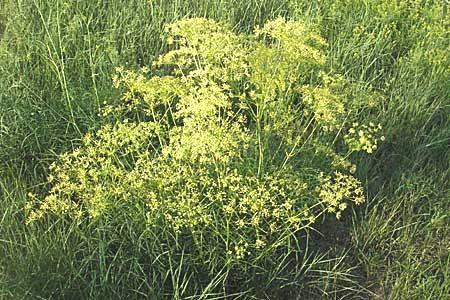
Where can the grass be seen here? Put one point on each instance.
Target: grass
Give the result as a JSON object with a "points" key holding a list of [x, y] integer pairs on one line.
{"points": [[56, 62]]}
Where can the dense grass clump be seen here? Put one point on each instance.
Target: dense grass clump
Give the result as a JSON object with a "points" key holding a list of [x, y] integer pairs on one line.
{"points": [[209, 158]]}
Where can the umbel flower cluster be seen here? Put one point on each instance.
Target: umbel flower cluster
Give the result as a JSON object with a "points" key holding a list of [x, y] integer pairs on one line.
{"points": [[234, 142]]}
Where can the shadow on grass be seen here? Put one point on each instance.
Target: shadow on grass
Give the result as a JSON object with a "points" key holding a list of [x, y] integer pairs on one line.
{"points": [[2, 29]]}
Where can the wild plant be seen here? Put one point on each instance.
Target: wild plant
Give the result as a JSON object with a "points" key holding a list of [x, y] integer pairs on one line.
{"points": [[232, 145]]}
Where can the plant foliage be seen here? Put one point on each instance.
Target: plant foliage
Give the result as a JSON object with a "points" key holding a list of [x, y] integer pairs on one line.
{"points": [[231, 143]]}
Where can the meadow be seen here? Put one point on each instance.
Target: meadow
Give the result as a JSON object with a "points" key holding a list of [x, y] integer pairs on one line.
{"points": [[225, 149]]}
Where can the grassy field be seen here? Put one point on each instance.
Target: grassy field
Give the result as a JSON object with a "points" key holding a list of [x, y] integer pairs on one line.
{"points": [[57, 60]]}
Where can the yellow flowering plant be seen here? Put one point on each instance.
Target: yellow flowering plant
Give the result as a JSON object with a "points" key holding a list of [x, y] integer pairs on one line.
{"points": [[231, 142]]}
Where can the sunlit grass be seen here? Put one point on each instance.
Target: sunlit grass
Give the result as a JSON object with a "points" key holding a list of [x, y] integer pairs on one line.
{"points": [[56, 62]]}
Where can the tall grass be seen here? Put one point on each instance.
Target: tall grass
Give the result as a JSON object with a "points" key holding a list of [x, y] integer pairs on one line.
{"points": [[56, 62], [401, 49]]}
